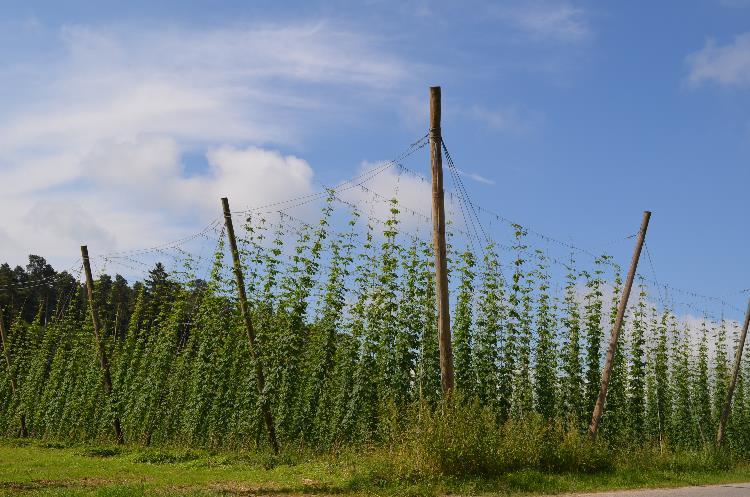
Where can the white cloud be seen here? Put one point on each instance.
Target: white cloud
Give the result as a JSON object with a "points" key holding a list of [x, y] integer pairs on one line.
{"points": [[414, 196], [93, 145], [727, 65], [547, 21], [67, 220], [508, 120], [476, 177], [268, 174]]}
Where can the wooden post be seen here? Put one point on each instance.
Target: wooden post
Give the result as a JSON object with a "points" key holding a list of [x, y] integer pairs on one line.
{"points": [[102, 351], [244, 308], [438, 237], [612, 349], [733, 382], [13, 381]]}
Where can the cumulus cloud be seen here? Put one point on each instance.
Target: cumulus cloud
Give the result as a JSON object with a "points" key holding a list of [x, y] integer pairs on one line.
{"points": [[414, 196], [67, 220], [727, 65], [93, 146]]}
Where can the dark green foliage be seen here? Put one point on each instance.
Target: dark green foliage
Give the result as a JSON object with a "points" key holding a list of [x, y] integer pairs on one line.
{"points": [[346, 327], [662, 392], [572, 406], [485, 354], [593, 334], [616, 406], [637, 385], [463, 438], [462, 326], [546, 353]]}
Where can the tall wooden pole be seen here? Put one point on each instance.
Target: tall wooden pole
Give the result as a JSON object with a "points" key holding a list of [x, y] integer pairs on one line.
{"points": [[733, 383], [244, 308], [102, 351], [438, 237], [612, 349], [13, 381]]}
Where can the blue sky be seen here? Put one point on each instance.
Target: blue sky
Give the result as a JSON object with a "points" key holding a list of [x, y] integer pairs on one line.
{"points": [[124, 122]]}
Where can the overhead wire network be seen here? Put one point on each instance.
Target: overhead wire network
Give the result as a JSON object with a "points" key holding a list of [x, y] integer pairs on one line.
{"points": [[138, 261], [348, 184], [475, 225], [470, 226]]}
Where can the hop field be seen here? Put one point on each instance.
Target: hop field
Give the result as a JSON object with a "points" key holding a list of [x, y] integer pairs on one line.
{"points": [[346, 331]]}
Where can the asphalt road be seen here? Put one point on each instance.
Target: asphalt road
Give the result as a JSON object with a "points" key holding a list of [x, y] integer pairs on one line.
{"points": [[728, 490]]}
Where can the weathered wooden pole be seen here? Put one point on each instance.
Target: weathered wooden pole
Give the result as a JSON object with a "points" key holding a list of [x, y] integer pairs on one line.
{"points": [[102, 351], [13, 381], [438, 237], [244, 308], [733, 383], [612, 349]]}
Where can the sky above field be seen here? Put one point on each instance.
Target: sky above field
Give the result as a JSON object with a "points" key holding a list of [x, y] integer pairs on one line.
{"points": [[122, 123]]}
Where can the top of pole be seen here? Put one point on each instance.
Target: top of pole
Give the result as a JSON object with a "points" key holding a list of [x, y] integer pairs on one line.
{"points": [[435, 111]]}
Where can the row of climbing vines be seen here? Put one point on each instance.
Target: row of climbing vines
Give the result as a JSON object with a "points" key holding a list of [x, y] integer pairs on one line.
{"points": [[346, 323]]}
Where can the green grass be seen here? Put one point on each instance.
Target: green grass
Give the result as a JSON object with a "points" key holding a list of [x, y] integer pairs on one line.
{"points": [[38, 468]]}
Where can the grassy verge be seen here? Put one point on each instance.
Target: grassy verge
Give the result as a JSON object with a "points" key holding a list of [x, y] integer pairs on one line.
{"points": [[41, 468]]}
